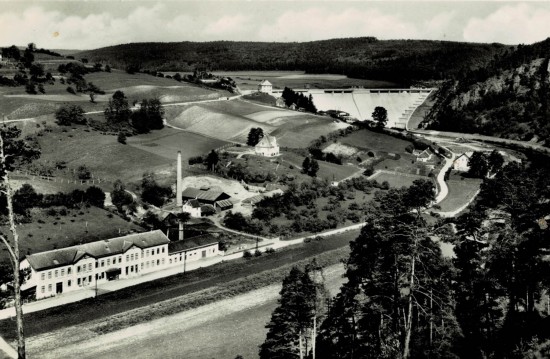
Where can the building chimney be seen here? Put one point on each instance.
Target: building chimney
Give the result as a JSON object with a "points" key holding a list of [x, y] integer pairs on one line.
{"points": [[180, 231], [178, 182]]}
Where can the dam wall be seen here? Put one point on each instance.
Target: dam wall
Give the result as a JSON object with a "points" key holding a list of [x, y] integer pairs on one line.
{"points": [[360, 103]]}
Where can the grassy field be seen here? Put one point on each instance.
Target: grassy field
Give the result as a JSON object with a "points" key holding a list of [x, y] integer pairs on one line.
{"points": [[461, 190], [397, 180], [327, 170], [102, 154], [375, 141], [76, 226], [168, 141], [232, 120]]}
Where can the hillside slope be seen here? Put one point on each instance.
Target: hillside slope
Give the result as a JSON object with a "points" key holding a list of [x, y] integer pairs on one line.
{"points": [[403, 61], [508, 98]]}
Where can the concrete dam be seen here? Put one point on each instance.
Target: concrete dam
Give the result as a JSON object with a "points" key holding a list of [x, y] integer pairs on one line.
{"points": [[360, 103]]}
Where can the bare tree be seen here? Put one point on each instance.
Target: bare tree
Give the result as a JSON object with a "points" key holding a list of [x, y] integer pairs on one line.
{"points": [[13, 152]]}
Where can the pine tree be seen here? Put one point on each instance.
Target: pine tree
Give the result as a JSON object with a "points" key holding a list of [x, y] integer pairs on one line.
{"points": [[292, 322], [397, 301]]}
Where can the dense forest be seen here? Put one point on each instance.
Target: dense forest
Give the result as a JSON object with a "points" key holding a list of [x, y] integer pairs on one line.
{"points": [[404, 299], [507, 98], [401, 61]]}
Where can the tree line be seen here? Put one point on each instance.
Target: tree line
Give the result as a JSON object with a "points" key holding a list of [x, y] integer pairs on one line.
{"points": [[401, 61]]}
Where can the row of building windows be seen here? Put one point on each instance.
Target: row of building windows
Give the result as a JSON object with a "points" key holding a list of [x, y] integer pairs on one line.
{"points": [[56, 273], [88, 267]]}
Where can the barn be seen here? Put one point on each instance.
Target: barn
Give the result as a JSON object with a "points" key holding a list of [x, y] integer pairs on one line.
{"points": [[206, 196]]}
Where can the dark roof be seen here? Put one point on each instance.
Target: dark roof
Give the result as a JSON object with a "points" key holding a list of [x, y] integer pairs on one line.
{"points": [[70, 255], [191, 192], [193, 203], [192, 243], [225, 203]]}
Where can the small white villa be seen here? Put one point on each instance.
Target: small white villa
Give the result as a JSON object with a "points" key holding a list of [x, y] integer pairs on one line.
{"points": [[461, 163], [267, 146], [265, 87], [193, 207], [424, 156]]}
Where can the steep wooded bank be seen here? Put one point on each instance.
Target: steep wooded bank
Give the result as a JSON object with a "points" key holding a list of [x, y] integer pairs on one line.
{"points": [[508, 98], [402, 61]]}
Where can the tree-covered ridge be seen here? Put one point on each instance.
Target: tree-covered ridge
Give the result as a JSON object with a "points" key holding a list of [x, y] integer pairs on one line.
{"points": [[402, 61], [507, 98]]}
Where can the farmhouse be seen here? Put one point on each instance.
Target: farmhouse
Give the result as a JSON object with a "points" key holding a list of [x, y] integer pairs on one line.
{"points": [[265, 87], [193, 207], [218, 199], [280, 102], [193, 249], [461, 162], [73, 268], [267, 147]]}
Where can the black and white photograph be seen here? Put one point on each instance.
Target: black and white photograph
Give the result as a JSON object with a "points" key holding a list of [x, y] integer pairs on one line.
{"points": [[254, 179]]}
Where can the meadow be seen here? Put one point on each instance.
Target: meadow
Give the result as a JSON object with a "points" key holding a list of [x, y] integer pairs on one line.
{"points": [[232, 120], [461, 190], [397, 180]]}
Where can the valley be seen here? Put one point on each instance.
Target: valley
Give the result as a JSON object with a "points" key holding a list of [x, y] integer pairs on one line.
{"points": [[167, 199]]}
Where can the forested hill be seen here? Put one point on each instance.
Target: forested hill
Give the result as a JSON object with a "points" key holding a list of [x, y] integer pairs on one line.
{"points": [[507, 98], [402, 61]]}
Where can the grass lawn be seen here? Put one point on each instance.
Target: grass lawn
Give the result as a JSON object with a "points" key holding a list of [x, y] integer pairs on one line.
{"points": [[66, 230], [262, 98], [168, 141], [374, 141], [461, 190], [397, 180], [327, 170]]}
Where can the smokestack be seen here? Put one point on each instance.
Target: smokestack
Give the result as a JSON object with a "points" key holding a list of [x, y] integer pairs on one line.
{"points": [[178, 182], [180, 231]]}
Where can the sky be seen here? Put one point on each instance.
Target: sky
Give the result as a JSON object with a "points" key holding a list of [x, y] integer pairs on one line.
{"points": [[92, 24]]}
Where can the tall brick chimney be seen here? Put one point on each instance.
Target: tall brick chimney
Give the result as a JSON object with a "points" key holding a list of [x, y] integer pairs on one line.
{"points": [[179, 188]]}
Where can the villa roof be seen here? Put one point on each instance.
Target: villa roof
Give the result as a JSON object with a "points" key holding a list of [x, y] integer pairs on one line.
{"points": [[192, 243], [267, 141], [265, 83], [70, 255], [425, 154], [465, 154]]}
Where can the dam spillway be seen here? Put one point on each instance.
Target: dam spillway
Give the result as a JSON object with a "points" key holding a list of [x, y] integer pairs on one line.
{"points": [[360, 103]]}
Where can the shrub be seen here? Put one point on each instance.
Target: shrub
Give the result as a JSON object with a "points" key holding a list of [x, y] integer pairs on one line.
{"points": [[257, 253], [71, 90], [370, 153], [247, 254], [121, 138], [270, 250], [385, 185]]}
